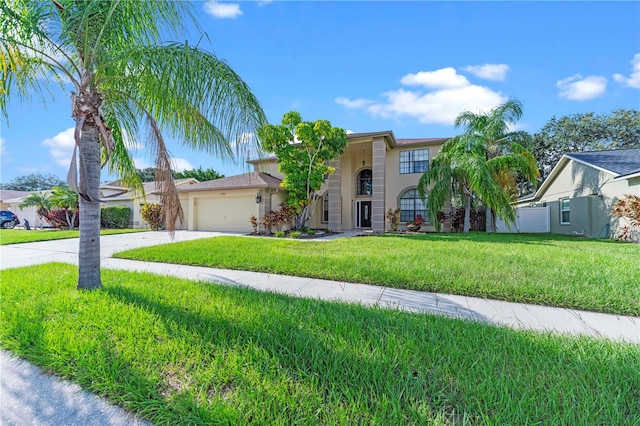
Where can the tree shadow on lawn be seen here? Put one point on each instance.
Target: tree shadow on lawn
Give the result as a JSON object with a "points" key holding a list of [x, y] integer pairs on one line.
{"points": [[370, 365], [359, 368]]}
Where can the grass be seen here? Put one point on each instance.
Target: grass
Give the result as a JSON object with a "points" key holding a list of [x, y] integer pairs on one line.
{"points": [[540, 269], [177, 352], [17, 236]]}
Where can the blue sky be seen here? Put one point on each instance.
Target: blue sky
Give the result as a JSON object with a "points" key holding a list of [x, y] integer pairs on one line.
{"points": [[410, 67]]}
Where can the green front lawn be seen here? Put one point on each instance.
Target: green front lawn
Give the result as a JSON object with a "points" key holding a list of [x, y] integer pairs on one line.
{"points": [[541, 269], [16, 236], [179, 352]]}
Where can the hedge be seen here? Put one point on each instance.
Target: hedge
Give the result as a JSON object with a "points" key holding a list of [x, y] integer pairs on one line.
{"points": [[116, 217]]}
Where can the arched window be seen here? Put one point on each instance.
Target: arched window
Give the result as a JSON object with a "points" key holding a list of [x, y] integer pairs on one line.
{"points": [[365, 182], [411, 206]]}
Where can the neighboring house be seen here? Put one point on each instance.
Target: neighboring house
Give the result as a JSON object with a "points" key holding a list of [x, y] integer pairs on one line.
{"points": [[11, 200], [582, 188], [377, 172], [116, 194]]}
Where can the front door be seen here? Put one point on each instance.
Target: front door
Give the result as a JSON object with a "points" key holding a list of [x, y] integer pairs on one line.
{"points": [[363, 214]]}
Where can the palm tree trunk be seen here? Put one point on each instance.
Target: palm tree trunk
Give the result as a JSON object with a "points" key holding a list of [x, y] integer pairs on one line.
{"points": [[89, 254], [488, 220], [467, 213]]}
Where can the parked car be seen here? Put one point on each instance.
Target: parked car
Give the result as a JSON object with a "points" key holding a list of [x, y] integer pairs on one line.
{"points": [[8, 219]]}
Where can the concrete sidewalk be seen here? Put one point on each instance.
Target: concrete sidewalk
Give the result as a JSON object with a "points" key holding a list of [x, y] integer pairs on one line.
{"points": [[20, 408]]}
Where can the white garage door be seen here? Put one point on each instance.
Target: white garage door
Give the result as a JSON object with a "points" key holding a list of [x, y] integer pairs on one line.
{"points": [[225, 213]]}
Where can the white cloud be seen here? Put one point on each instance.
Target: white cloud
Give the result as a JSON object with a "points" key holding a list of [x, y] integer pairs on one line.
{"points": [[222, 10], [445, 78], [577, 88], [61, 147], [355, 103], [142, 163], [180, 165], [4, 155], [439, 107], [496, 72], [634, 79], [452, 94]]}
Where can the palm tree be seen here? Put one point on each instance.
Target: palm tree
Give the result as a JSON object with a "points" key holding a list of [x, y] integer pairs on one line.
{"points": [[492, 129], [39, 200], [122, 80], [462, 167], [67, 199]]}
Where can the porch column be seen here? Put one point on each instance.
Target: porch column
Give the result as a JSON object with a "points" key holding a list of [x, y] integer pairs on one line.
{"points": [[335, 196], [263, 208], [379, 155]]}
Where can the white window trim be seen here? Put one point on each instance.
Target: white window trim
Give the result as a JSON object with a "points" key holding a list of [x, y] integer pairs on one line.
{"points": [[562, 211]]}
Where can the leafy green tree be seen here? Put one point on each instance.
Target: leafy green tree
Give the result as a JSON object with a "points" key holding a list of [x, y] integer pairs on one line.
{"points": [[67, 199], [201, 174], [303, 149], [33, 182], [148, 174], [585, 132], [123, 79], [39, 200]]}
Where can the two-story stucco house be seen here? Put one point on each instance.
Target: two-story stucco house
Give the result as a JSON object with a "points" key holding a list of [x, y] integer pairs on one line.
{"points": [[377, 172]]}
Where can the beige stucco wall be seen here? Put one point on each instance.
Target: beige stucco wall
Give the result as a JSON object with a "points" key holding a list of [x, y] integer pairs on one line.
{"points": [[351, 165], [268, 166]]}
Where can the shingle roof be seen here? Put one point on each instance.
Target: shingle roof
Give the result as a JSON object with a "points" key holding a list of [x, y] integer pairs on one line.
{"points": [[247, 180], [416, 141], [149, 188], [621, 161]]}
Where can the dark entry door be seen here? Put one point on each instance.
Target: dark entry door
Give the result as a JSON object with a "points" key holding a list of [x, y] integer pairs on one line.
{"points": [[365, 214]]}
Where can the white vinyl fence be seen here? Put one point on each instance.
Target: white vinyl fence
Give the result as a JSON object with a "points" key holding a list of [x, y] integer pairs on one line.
{"points": [[528, 219]]}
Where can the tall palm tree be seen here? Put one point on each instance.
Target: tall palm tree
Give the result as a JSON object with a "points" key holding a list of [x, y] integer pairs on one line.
{"points": [[39, 200], [67, 199], [123, 79], [462, 167], [493, 130]]}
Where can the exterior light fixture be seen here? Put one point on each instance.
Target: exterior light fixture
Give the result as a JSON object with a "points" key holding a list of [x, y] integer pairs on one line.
{"points": [[258, 198], [363, 162]]}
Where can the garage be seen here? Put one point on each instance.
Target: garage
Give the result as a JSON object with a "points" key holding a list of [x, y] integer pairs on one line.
{"points": [[225, 213], [226, 204]]}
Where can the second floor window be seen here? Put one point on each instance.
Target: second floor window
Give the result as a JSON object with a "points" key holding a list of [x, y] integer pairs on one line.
{"points": [[414, 161], [365, 182]]}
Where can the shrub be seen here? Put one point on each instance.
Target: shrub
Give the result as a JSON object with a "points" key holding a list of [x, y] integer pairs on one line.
{"points": [[153, 214], [629, 209], [311, 232], [295, 234], [116, 217], [279, 234], [254, 223], [394, 218], [58, 218]]}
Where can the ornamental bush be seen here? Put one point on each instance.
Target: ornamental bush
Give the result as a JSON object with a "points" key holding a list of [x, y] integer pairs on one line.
{"points": [[116, 217], [153, 214], [58, 218]]}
